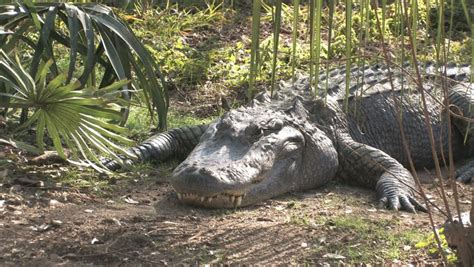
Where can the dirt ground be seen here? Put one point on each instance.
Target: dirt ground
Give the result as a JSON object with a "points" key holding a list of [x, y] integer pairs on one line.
{"points": [[141, 222]]}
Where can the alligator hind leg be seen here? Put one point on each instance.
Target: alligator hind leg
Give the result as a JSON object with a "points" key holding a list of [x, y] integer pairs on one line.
{"points": [[375, 169], [462, 99]]}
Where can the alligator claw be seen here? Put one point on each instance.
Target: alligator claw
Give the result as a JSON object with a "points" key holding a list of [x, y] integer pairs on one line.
{"points": [[402, 202]]}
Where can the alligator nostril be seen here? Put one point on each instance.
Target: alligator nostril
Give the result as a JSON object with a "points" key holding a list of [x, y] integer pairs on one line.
{"points": [[192, 168], [205, 172]]}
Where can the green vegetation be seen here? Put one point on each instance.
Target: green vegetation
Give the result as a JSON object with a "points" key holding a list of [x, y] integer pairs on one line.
{"points": [[360, 239], [73, 84], [67, 113], [195, 54], [429, 243]]}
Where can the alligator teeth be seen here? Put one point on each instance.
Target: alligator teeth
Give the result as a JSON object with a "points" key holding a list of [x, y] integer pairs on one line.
{"points": [[202, 199], [179, 196], [232, 199], [208, 199]]}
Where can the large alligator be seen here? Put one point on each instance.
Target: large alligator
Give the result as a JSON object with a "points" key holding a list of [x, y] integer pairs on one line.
{"points": [[296, 141]]}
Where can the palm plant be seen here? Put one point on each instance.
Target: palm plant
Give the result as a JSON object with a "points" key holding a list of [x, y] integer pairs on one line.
{"points": [[71, 50], [68, 114], [97, 40]]}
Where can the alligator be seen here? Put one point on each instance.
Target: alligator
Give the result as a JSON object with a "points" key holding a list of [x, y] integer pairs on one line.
{"points": [[299, 140]]}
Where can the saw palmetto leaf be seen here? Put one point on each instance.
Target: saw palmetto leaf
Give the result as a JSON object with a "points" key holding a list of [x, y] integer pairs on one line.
{"points": [[69, 116], [94, 36]]}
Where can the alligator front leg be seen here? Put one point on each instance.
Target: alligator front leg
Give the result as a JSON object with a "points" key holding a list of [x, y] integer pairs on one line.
{"points": [[163, 146], [373, 168]]}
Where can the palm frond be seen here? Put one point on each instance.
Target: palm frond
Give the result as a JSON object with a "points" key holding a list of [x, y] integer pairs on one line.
{"points": [[70, 116], [96, 39]]}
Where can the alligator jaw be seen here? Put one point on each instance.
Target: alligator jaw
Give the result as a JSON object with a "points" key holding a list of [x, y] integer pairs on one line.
{"points": [[223, 199]]}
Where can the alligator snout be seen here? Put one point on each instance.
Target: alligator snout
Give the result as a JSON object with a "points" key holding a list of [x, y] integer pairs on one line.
{"points": [[207, 187]]}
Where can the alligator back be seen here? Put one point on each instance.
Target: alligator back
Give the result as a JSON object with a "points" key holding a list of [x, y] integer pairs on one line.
{"points": [[378, 95]]}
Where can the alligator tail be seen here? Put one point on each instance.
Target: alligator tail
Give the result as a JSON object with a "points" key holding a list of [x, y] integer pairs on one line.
{"points": [[176, 142]]}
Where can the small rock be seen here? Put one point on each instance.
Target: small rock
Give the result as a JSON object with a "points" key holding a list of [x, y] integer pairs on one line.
{"points": [[19, 222], [56, 223], [54, 202], [95, 241], [42, 228], [88, 211], [129, 200], [333, 256]]}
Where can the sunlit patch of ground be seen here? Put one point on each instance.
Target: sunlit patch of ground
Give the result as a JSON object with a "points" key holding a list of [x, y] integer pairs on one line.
{"points": [[139, 221]]}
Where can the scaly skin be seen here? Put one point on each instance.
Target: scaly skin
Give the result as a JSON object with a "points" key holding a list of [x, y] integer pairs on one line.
{"points": [[174, 143], [298, 142]]}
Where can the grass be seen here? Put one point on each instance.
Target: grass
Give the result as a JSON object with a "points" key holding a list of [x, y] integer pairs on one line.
{"points": [[360, 239], [206, 47], [139, 122]]}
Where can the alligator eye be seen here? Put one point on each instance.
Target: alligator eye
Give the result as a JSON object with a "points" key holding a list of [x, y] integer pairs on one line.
{"points": [[254, 132], [274, 124]]}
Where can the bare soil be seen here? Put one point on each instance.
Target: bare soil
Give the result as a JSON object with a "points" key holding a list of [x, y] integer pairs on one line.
{"points": [[141, 222]]}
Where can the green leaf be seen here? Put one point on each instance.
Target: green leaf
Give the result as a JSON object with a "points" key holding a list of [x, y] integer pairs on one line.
{"points": [[317, 43], [276, 38], [44, 44], [422, 244], [33, 13], [40, 129], [254, 47], [53, 132], [296, 11]]}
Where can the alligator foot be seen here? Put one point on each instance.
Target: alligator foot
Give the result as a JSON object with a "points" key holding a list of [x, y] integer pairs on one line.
{"points": [[465, 173], [395, 195], [404, 202]]}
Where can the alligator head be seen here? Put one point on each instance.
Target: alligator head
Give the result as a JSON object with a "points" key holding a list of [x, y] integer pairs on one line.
{"points": [[255, 153]]}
